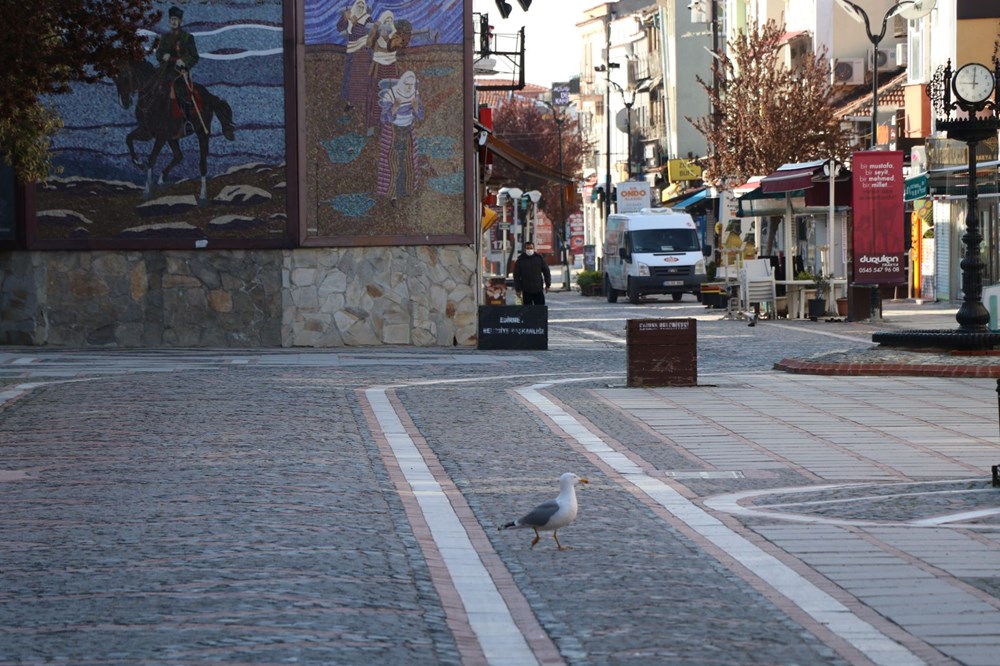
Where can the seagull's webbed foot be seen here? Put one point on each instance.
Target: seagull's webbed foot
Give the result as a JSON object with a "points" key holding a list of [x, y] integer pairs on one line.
{"points": [[536, 539], [561, 547]]}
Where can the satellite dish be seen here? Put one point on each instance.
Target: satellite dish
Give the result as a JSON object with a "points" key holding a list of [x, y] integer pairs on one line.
{"points": [[918, 9], [622, 120]]}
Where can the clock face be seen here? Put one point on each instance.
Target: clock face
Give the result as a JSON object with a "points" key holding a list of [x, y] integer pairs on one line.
{"points": [[973, 83]]}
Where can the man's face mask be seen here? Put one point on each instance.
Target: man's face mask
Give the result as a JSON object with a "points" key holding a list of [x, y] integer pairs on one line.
{"points": [[529, 252]]}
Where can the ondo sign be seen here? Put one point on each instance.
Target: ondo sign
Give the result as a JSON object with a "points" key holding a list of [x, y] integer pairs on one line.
{"points": [[633, 196], [879, 245]]}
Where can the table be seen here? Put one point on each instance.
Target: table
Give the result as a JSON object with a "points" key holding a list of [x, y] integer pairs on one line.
{"points": [[796, 299]]}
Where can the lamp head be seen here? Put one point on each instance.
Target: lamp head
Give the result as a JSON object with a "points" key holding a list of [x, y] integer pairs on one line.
{"points": [[916, 9], [853, 10], [504, 8], [534, 195]]}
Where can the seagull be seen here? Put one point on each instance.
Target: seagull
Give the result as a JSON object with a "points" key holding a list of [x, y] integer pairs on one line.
{"points": [[554, 514]]}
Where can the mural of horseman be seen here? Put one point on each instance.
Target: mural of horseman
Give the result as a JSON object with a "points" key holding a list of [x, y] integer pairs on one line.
{"points": [[171, 106]]}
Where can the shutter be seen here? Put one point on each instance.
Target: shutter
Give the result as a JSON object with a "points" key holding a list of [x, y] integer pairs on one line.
{"points": [[942, 251]]}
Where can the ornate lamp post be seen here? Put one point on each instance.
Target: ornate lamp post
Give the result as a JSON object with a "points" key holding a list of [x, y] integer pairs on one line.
{"points": [[606, 70], [628, 125], [977, 101], [559, 117], [861, 16], [504, 196]]}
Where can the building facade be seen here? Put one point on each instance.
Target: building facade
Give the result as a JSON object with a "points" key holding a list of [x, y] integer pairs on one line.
{"points": [[304, 180]]}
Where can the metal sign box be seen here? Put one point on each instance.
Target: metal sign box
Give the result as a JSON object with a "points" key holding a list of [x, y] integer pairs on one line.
{"points": [[662, 352]]}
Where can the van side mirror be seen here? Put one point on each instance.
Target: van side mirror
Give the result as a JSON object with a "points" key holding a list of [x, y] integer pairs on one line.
{"points": [[706, 250], [623, 254]]}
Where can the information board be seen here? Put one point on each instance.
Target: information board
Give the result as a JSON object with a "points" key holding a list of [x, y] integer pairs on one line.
{"points": [[513, 327]]}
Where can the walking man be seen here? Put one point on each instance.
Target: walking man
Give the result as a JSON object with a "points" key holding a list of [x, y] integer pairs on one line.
{"points": [[531, 276]]}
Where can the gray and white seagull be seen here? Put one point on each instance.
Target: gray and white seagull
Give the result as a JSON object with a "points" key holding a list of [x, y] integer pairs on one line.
{"points": [[553, 515]]}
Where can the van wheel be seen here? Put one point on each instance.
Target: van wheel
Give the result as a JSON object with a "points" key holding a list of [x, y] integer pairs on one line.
{"points": [[676, 297], [633, 293], [610, 292]]}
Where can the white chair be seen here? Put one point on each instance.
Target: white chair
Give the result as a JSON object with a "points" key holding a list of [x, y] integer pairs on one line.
{"points": [[757, 285]]}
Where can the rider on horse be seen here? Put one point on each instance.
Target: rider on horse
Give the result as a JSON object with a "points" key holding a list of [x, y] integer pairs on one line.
{"points": [[177, 55]]}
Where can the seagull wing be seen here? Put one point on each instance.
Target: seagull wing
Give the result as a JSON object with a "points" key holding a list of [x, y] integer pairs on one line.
{"points": [[540, 515]]}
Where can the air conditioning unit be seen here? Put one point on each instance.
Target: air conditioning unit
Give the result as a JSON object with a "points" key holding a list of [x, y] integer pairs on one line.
{"points": [[885, 59], [901, 55], [849, 71]]}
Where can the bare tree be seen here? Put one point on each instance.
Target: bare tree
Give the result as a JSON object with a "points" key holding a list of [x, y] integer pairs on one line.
{"points": [[531, 128], [48, 45], [766, 114]]}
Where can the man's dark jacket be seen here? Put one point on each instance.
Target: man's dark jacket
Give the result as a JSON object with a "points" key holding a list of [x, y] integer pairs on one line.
{"points": [[531, 274]]}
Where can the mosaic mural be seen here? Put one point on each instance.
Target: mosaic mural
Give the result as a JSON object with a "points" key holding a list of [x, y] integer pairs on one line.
{"points": [[185, 145], [385, 120]]}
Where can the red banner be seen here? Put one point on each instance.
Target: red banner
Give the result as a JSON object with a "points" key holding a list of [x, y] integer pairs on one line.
{"points": [[878, 239]]}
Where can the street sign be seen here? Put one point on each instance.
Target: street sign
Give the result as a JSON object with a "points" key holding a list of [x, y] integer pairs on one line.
{"points": [[560, 94]]}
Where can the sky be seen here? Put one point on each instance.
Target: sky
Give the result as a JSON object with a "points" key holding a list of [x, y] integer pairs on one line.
{"points": [[552, 46]]}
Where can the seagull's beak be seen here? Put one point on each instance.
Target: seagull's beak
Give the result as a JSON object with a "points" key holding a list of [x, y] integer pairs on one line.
{"points": [[583, 480]]}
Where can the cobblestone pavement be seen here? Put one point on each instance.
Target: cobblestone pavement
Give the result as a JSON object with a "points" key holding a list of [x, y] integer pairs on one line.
{"points": [[340, 507]]}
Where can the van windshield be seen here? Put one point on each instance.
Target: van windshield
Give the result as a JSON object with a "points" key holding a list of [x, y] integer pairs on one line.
{"points": [[665, 240]]}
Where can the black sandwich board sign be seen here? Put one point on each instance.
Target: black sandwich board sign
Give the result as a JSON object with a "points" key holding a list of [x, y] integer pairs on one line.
{"points": [[513, 327]]}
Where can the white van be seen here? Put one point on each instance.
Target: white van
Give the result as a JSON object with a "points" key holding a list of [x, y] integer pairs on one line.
{"points": [[653, 251]]}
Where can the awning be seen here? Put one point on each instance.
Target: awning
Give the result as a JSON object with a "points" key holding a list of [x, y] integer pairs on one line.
{"points": [[691, 200], [791, 177], [525, 162]]}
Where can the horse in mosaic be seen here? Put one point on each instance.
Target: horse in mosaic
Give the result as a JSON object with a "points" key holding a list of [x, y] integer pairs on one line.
{"points": [[159, 119]]}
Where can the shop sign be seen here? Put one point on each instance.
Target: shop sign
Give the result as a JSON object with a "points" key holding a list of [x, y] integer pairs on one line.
{"points": [[633, 196], [943, 153], [915, 188], [879, 244], [681, 169]]}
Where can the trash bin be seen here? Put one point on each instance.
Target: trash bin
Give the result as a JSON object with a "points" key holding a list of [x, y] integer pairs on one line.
{"points": [[864, 302], [662, 352]]}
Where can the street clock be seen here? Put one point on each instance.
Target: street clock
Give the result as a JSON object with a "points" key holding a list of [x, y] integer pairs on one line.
{"points": [[973, 83]]}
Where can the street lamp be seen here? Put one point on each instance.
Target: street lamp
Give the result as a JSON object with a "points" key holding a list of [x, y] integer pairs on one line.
{"points": [[861, 16], [628, 125], [606, 69], [512, 194], [560, 118], [530, 201]]}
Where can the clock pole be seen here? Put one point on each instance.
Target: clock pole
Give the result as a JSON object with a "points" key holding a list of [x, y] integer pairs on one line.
{"points": [[977, 98]]}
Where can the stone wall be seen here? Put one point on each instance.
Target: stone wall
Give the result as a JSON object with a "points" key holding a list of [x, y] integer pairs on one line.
{"points": [[417, 295], [421, 296]]}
